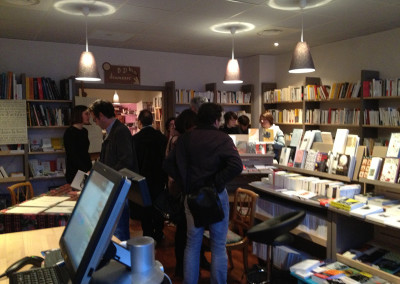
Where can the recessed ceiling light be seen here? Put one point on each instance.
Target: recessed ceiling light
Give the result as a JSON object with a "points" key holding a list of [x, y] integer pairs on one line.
{"points": [[296, 4], [276, 44], [22, 2], [74, 7], [226, 28]]}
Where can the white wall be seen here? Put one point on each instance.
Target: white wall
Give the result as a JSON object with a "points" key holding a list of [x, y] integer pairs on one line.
{"points": [[343, 61]]}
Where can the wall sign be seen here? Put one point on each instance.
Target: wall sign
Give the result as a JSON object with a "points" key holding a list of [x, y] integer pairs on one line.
{"points": [[121, 74]]}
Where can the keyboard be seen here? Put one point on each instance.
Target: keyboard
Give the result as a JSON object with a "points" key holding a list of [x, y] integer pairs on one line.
{"points": [[46, 275]]}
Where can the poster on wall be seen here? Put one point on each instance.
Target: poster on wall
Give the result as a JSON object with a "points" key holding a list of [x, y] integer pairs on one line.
{"points": [[13, 127], [121, 74]]}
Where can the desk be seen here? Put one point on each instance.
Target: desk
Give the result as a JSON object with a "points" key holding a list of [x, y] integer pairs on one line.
{"points": [[14, 246], [24, 222]]}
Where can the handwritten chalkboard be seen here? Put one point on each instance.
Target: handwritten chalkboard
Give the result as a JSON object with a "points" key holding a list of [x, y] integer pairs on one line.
{"points": [[13, 124]]}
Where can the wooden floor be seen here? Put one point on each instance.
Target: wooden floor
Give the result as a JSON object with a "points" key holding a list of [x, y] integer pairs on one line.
{"points": [[165, 254]]}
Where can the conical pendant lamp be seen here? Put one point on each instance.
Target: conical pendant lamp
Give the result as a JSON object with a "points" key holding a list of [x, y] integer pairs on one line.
{"points": [[87, 69], [232, 75], [302, 61]]}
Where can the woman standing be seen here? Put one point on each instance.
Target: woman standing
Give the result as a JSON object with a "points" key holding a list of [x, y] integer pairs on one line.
{"points": [[77, 143]]}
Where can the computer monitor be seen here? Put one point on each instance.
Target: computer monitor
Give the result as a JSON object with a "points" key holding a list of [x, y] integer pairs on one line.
{"points": [[93, 221], [139, 192]]}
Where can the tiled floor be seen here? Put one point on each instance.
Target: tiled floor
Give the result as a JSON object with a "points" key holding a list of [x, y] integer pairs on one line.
{"points": [[165, 254]]}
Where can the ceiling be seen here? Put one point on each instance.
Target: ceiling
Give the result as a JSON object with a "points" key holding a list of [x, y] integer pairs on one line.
{"points": [[183, 26]]}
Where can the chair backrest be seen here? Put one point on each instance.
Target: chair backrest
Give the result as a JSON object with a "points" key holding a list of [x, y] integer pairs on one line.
{"points": [[243, 211], [20, 192], [267, 231]]}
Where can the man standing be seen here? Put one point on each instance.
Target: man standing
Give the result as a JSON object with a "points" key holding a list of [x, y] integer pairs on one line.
{"points": [[150, 145], [201, 157], [117, 151]]}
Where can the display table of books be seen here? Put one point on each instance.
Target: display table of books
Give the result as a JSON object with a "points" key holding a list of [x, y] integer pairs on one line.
{"points": [[52, 209]]}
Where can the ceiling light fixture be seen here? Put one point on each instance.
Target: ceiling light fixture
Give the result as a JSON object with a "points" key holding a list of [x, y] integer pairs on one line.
{"points": [[232, 75], [302, 61], [74, 7], [116, 98], [87, 69], [293, 5]]}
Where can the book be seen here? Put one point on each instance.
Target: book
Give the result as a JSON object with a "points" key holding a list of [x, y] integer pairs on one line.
{"points": [[307, 140], [389, 263], [394, 146], [382, 201], [374, 168], [310, 163], [3, 172], [390, 170], [352, 144], [346, 204], [343, 165], [306, 265], [296, 137], [321, 161], [339, 145], [291, 157], [366, 210], [327, 137], [300, 158], [268, 135], [364, 168]]}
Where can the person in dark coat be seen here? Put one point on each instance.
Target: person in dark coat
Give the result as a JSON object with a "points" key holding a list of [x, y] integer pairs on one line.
{"points": [[76, 143], [150, 145], [117, 152]]}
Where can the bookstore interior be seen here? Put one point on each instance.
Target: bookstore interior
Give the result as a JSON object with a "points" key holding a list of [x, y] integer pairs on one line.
{"points": [[340, 162]]}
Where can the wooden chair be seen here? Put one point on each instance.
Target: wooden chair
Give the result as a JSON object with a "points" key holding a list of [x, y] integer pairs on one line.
{"points": [[242, 219], [20, 192]]}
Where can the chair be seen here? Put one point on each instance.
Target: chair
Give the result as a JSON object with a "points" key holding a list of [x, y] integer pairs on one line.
{"points": [[20, 192], [275, 232], [242, 219]]}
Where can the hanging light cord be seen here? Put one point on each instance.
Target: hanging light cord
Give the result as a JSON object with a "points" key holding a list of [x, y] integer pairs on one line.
{"points": [[233, 30], [85, 11], [303, 4]]}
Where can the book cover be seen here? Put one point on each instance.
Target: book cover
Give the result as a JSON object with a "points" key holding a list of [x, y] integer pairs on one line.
{"points": [[390, 170], [311, 159], [268, 135], [343, 165], [327, 137], [364, 169], [321, 161], [291, 157], [339, 145], [254, 135], [375, 168], [352, 144], [299, 158], [347, 204], [307, 141], [296, 137], [366, 210], [394, 146]]}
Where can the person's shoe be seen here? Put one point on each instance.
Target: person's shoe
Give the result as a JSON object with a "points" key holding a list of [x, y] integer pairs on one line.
{"points": [[204, 264]]}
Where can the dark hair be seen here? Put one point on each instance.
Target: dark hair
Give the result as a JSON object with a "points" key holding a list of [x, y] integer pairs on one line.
{"points": [[145, 117], [243, 120], [105, 107], [267, 116], [229, 115], [167, 122], [76, 114], [209, 113], [185, 120]]}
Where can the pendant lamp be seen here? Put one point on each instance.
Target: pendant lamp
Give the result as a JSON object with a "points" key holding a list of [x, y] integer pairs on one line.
{"points": [[302, 61], [116, 98], [87, 69], [232, 75]]}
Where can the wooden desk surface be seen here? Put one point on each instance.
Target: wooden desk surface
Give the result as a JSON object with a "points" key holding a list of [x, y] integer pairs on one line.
{"points": [[14, 246]]}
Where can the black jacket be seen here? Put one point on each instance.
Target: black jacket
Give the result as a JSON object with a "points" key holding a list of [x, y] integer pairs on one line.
{"points": [[212, 159]]}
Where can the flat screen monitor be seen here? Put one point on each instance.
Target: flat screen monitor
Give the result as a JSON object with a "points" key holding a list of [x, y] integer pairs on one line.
{"points": [[93, 221], [139, 192]]}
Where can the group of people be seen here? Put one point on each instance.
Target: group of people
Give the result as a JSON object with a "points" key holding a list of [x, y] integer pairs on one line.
{"points": [[208, 156], [234, 124]]}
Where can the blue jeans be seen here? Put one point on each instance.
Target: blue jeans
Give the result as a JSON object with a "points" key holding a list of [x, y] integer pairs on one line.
{"points": [[122, 229], [219, 258]]}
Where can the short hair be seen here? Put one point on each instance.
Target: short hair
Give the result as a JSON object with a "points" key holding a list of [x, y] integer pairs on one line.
{"points": [[76, 114], [267, 116], [196, 102], [229, 115], [243, 120], [105, 107], [209, 113], [145, 117], [168, 121], [185, 120]]}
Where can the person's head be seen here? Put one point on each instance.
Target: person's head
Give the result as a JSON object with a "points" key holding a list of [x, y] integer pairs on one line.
{"points": [[209, 114], [266, 119], [145, 118], [196, 102], [230, 119], [243, 122], [80, 115], [102, 113], [185, 121], [169, 126]]}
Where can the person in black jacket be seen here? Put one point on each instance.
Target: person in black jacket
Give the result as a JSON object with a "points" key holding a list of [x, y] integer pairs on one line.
{"points": [[76, 143], [117, 152], [150, 145], [230, 124], [201, 157]]}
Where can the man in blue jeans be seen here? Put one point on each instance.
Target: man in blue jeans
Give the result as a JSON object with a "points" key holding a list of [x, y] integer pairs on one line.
{"points": [[205, 156], [117, 152]]}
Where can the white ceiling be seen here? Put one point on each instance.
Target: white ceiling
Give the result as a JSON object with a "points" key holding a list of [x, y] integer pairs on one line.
{"points": [[183, 26]]}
